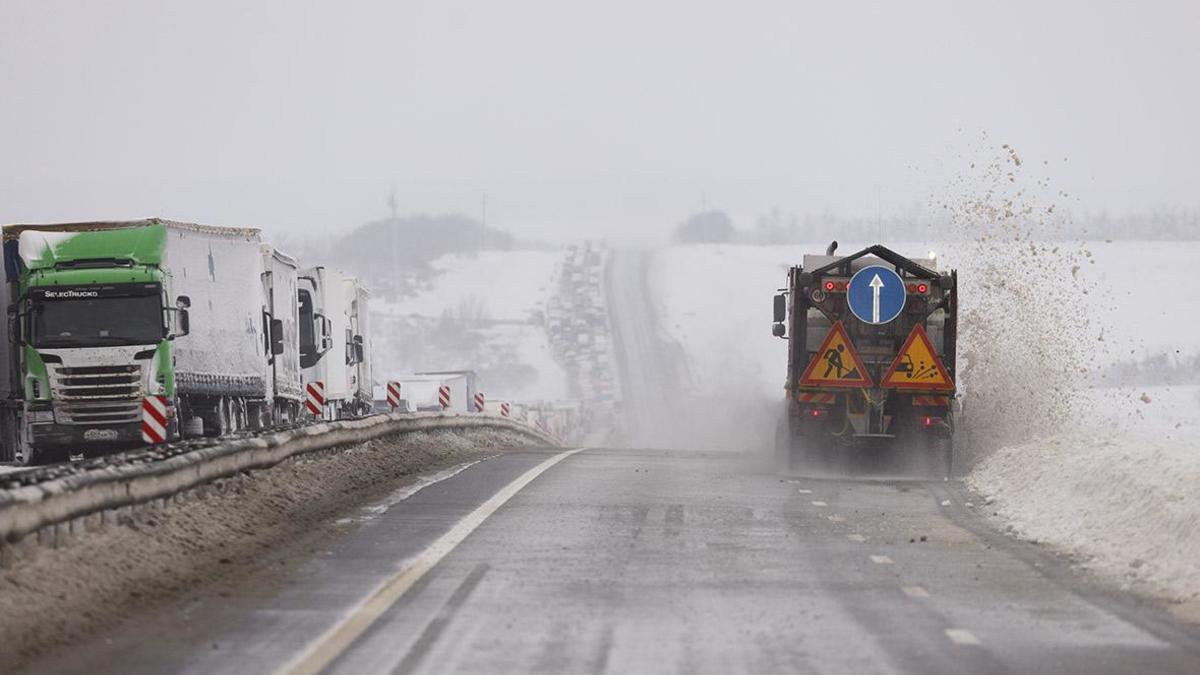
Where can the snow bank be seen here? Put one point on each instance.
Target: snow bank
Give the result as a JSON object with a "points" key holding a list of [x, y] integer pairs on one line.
{"points": [[1120, 492]]}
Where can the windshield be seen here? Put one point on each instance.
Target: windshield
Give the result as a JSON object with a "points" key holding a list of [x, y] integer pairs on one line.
{"points": [[96, 317]]}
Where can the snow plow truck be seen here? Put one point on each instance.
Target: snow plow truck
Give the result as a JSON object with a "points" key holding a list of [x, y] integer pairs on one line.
{"points": [[871, 358]]}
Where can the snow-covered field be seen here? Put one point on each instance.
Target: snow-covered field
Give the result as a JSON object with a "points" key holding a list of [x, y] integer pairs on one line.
{"points": [[1119, 490], [716, 301], [480, 311], [1116, 485]]}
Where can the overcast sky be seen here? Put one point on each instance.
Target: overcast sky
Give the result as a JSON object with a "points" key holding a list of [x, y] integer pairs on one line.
{"points": [[614, 117]]}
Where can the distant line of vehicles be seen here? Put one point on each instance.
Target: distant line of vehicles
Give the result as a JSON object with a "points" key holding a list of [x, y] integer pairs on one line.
{"points": [[215, 323]]}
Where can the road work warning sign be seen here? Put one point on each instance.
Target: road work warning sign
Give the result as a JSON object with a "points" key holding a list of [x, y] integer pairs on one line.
{"points": [[836, 364], [918, 366]]}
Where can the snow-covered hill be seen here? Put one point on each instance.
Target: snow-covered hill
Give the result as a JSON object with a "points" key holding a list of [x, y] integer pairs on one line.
{"points": [[482, 311]]}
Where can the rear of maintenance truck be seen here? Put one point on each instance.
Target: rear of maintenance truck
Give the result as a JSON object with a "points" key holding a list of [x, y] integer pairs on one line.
{"points": [[871, 358]]}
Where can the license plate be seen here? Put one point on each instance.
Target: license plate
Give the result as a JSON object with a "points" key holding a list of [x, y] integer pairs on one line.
{"points": [[101, 435]]}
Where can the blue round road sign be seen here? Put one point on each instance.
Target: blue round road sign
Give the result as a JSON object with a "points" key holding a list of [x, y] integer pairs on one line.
{"points": [[876, 294]]}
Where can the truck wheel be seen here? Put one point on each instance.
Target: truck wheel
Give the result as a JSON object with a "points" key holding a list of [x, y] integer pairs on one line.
{"points": [[783, 443], [800, 453], [944, 454]]}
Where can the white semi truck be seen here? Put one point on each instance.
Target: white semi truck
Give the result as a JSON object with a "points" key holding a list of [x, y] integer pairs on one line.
{"points": [[360, 384], [324, 326]]}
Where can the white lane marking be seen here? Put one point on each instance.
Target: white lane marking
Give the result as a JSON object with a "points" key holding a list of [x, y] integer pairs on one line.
{"points": [[856, 537], [819, 503], [805, 492], [374, 510], [322, 652], [881, 560], [837, 519], [961, 636], [915, 591]]}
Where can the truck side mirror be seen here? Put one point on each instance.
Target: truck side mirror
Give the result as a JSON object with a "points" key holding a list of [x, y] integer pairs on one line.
{"points": [[778, 330], [358, 353], [183, 321], [276, 337], [14, 325], [780, 308]]}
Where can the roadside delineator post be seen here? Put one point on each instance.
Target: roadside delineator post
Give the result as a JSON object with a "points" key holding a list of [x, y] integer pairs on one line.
{"points": [[393, 394], [154, 419], [479, 401], [444, 396], [505, 409], [314, 401]]}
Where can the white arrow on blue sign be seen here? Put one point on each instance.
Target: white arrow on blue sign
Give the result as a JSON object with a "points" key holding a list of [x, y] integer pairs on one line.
{"points": [[876, 294]]}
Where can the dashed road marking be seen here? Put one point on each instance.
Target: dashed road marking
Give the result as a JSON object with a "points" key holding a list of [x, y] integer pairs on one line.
{"points": [[837, 519], [319, 654], [961, 636], [819, 503], [805, 492], [881, 560], [856, 537], [915, 591]]}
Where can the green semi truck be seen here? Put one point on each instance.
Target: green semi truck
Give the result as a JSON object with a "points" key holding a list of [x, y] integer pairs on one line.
{"points": [[200, 320]]}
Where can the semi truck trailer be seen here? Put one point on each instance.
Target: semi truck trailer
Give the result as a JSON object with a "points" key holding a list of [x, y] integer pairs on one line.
{"points": [[281, 319], [103, 315], [871, 357]]}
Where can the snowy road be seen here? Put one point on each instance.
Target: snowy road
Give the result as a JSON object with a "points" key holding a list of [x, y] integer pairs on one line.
{"points": [[625, 561], [651, 367]]}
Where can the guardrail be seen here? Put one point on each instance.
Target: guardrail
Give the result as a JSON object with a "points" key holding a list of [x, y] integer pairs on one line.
{"points": [[30, 508]]}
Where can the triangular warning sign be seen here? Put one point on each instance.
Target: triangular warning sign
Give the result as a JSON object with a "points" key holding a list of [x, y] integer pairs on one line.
{"points": [[918, 366], [836, 363]]}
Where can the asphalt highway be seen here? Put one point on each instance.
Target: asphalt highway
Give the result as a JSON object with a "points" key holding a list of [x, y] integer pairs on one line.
{"points": [[628, 561]]}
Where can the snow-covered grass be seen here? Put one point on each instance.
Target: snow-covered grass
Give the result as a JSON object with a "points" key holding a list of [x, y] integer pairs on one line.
{"points": [[1118, 490]]}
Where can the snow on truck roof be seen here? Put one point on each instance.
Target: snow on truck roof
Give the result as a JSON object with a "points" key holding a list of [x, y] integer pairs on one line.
{"points": [[13, 232]]}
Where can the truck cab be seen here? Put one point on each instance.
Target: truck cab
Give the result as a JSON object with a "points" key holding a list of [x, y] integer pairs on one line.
{"points": [[91, 321]]}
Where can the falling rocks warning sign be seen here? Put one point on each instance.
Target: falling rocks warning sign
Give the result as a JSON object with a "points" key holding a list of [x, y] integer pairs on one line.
{"points": [[918, 366]]}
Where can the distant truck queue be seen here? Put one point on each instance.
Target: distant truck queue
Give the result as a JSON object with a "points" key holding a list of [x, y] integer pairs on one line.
{"points": [[119, 329]]}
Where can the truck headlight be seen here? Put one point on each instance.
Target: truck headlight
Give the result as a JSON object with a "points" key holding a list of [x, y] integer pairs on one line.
{"points": [[41, 417]]}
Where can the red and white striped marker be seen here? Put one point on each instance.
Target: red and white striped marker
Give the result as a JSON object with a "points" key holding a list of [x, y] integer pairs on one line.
{"points": [[315, 400], [154, 419], [505, 409], [444, 396], [479, 401], [393, 394]]}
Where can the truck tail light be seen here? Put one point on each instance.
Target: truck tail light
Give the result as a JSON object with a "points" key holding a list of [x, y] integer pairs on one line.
{"points": [[930, 421], [829, 286], [816, 413], [921, 288]]}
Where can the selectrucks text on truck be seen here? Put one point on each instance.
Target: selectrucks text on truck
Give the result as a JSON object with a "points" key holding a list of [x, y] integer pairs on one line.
{"points": [[871, 357], [208, 322]]}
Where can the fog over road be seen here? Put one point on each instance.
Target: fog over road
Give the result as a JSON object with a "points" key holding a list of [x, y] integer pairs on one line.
{"points": [[652, 369], [607, 560]]}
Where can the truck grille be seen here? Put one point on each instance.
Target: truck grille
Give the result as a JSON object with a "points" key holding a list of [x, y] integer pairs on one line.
{"points": [[98, 394]]}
